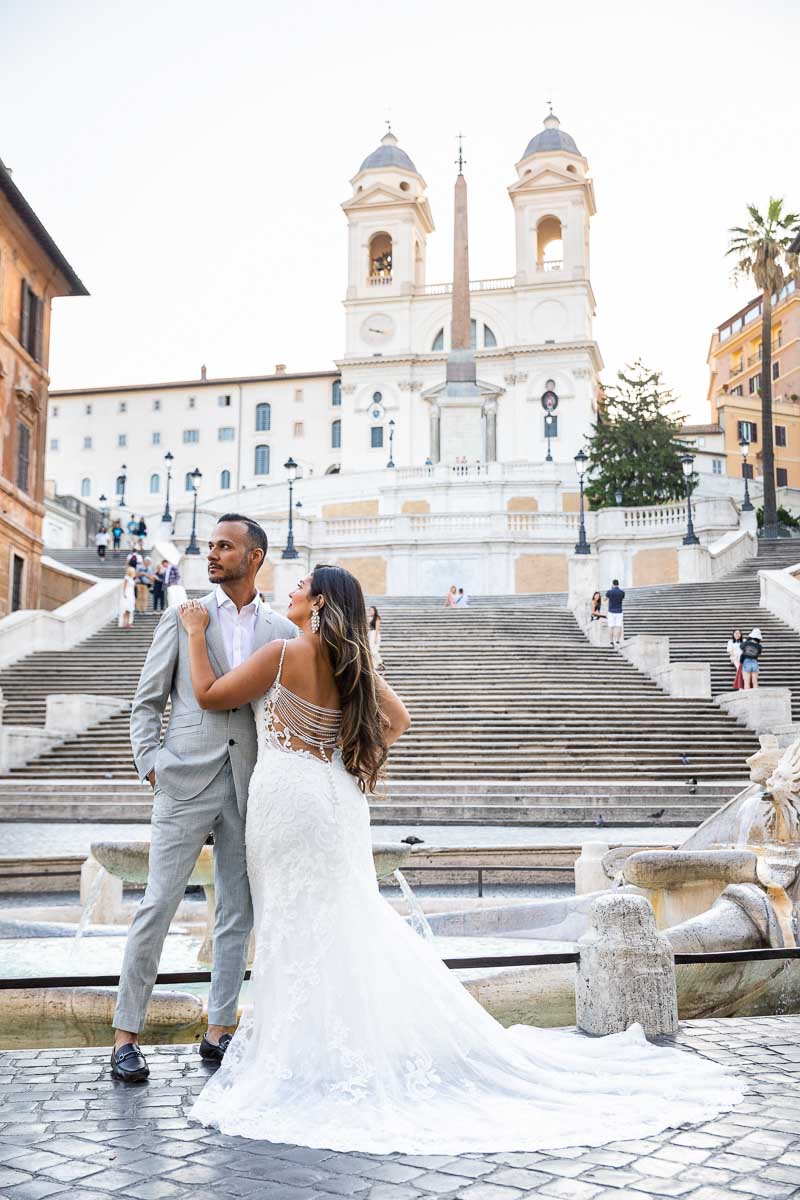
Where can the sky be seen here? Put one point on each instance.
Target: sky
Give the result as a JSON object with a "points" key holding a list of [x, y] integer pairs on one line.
{"points": [[190, 157]]}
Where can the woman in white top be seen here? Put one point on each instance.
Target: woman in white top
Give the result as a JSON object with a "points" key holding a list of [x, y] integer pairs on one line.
{"points": [[374, 634], [734, 652], [127, 600]]}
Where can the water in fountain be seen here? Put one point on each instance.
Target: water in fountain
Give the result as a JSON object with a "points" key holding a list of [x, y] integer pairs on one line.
{"points": [[92, 901], [418, 920]]}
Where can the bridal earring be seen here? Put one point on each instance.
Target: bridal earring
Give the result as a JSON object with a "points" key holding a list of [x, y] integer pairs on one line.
{"points": [[315, 620]]}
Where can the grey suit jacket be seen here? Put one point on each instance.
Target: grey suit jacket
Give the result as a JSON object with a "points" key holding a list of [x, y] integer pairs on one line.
{"points": [[197, 742]]}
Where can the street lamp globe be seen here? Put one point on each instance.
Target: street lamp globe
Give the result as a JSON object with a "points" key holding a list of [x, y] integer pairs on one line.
{"points": [[687, 465], [581, 459], [290, 467]]}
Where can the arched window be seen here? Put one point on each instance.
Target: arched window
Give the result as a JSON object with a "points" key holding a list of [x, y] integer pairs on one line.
{"points": [[261, 465], [549, 245], [380, 258], [188, 482], [489, 340], [86, 487], [336, 435], [438, 341], [333, 469], [225, 480], [336, 393], [155, 484], [120, 485], [263, 418]]}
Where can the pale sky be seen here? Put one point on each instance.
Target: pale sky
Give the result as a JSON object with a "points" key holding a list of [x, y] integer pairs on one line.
{"points": [[189, 158]]}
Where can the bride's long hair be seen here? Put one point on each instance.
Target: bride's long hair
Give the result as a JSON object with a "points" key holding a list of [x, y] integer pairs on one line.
{"points": [[343, 633]]}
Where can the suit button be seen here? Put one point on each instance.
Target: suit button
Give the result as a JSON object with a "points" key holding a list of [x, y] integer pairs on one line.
{"points": [[231, 742]]}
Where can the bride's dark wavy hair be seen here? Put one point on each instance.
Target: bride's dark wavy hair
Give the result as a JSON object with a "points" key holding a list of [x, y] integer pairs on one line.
{"points": [[343, 633]]}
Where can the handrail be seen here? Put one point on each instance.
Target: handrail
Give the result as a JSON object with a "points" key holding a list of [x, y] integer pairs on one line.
{"points": [[454, 964]]}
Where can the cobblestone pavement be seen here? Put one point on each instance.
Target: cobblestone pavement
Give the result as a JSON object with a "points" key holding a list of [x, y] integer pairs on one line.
{"points": [[67, 1129]]}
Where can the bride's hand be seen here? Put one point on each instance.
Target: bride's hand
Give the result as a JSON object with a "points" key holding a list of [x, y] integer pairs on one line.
{"points": [[193, 616]]}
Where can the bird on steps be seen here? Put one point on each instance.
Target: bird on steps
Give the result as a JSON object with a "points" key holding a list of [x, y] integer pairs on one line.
{"points": [[657, 815], [692, 785], [684, 758]]}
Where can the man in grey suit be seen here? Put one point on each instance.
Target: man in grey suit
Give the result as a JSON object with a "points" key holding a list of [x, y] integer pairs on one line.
{"points": [[200, 778]]}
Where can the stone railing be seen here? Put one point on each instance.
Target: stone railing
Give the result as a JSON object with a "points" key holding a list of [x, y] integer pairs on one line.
{"points": [[30, 630], [658, 516], [703, 564], [67, 714], [780, 593], [475, 285]]}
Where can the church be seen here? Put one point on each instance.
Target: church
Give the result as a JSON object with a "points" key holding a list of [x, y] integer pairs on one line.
{"points": [[388, 402]]}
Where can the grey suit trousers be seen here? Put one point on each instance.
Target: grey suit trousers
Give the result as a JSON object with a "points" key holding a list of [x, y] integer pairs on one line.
{"points": [[178, 830]]}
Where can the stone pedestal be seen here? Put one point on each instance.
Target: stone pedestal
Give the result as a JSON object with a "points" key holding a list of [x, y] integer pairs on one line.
{"points": [[286, 573], [589, 873], [583, 578], [626, 973], [103, 891], [763, 709]]}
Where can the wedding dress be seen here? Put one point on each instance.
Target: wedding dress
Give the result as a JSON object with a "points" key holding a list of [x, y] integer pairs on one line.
{"points": [[359, 1039]]}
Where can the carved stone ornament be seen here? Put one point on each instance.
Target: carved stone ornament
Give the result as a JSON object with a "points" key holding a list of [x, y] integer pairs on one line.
{"points": [[348, 388]]}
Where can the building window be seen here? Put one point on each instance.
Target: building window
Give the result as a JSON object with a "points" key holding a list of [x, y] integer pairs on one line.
{"points": [[191, 435], [776, 370], [263, 418], [120, 488], [747, 431], [747, 470], [87, 443], [224, 401], [156, 438], [336, 393], [122, 406], [738, 390], [122, 439], [376, 437], [17, 581], [225, 480], [298, 395], [261, 466], [226, 433], [780, 435], [716, 466], [380, 258], [191, 402], [88, 410], [489, 339], [297, 429], [54, 411], [156, 406], [31, 320], [754, 384], [23, 455], [86, 487], [53, 443], [782, 477], [438, 341], [336, 435], [188, 482], [155, 484]]}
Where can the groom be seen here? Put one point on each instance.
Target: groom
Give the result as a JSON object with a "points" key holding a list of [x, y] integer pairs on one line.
{"points": [[200, 777]]}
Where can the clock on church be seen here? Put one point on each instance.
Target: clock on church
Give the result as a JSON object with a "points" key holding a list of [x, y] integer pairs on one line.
{"points": [[377, 329]]}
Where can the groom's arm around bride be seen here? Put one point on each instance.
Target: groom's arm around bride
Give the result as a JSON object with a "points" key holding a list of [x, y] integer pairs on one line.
{"points": [[200, 777]]}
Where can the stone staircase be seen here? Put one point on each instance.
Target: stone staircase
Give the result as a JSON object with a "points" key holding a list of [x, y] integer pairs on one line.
{"points": [[86, 559], [698, 619]]}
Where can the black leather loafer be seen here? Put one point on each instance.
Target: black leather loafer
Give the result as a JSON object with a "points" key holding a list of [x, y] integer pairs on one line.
{"points": [[215, 1053], [129, 1064]]}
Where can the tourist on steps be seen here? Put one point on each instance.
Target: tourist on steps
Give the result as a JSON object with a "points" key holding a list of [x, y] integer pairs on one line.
{"points": [[144, 579], [462, 599], [752, 646], [116, 533], [615, 596], [159, 586], [374, 637], [101, 541], [450, 598], [127, 600], [734, 652], [596, 611]]}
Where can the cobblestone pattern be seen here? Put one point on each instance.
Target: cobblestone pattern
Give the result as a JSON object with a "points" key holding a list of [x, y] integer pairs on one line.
{"points": [[67, 1129]]}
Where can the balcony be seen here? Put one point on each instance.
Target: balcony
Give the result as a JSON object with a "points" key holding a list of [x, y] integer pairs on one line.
{"points": [[550, 264], [379, 280], [475, 285]]}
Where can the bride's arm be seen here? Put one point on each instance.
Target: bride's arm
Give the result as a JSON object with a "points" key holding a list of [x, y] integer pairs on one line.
{"points": [[395, 713], [239, 686]]}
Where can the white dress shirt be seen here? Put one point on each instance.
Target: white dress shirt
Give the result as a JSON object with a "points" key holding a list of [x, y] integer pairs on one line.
{"points": [[238, 627]]}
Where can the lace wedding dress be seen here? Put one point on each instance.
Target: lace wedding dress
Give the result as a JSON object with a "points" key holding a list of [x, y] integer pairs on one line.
{"points": [[359, 1039]]}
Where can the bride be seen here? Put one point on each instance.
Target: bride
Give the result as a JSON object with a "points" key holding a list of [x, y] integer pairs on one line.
{"points": [[359, 1038]]}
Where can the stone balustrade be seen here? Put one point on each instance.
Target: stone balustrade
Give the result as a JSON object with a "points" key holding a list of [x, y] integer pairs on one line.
{"points": [[67, 714], [29, 630], [780, 593], [763, 709]]}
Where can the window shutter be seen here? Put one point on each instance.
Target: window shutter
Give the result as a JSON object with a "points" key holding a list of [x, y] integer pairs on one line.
{"points": [[25, 315], [37, 313]]}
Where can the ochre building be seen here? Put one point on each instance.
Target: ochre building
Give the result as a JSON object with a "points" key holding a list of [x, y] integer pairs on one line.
{"points": [[32, 271], [734, 388]]}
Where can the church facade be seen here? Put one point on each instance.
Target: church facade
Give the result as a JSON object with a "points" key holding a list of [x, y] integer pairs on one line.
{"points": [[385, 403]]}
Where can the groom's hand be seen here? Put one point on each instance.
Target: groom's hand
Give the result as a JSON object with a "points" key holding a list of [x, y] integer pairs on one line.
{"points": [[151, 777]]}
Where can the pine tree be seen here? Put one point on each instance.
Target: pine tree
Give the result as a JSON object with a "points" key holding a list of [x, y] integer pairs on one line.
{"points": [[634, 448]]}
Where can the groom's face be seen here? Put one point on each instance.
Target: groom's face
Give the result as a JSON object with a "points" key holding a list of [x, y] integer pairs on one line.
{"points": [[228, 553]]}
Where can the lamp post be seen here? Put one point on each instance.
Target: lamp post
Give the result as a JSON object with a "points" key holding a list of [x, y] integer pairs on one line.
{"points": [[103, 500], [618, 497], [548, 433], [582, 546], [687, 463], [390, 463], [196, 476], [290, 467], [167, 515], [744, 446], [121, 481]]}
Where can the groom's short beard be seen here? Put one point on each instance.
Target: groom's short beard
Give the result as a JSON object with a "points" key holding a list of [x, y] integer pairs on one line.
{"points": [[230, 574]]}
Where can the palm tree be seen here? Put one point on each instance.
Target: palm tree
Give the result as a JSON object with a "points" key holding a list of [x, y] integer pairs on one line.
{"points": [[762, 249]]}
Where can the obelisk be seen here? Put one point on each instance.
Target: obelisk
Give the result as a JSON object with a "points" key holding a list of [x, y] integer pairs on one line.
{"points": [[461, 360]]}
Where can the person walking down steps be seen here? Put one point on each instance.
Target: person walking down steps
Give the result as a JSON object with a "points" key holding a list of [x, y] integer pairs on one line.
{"points": [[615, 596], [734, 652], [752, 647]]}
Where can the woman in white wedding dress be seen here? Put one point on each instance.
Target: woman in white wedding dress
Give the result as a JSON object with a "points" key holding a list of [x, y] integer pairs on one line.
{"points": [[359, 1039]]}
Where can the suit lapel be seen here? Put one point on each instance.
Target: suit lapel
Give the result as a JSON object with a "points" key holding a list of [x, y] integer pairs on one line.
{"points": [[214, 641], [263, 629]]}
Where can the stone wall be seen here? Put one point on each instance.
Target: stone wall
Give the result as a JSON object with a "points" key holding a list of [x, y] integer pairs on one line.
{"points": [[416, 506], [354, 508], [57, 587], [369, 571], [541, 573], [522, 504], [659, 565]]}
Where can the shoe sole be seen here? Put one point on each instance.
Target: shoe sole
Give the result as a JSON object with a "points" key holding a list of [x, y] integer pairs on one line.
{"points": [[130, 1076], [211, 1057]]}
